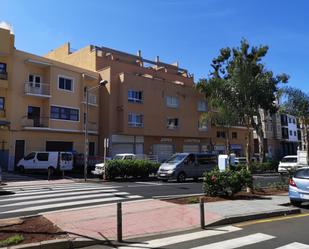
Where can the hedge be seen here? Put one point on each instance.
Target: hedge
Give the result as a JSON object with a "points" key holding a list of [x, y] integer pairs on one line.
{"points": [[130, 168], [226, 183]]}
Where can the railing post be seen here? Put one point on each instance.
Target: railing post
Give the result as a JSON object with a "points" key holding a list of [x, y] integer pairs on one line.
{"points": [[119, 221], [202, 213]]}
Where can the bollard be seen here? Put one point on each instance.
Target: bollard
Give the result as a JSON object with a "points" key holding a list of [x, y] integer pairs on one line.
{"points": [[202, 213], [119, 221]]}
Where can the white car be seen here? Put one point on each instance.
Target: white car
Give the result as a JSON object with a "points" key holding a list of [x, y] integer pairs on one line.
{"points": [[99, 167], [287, 163]]}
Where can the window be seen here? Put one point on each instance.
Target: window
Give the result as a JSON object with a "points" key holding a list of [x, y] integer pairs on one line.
{"points": [[2, 103], [202, 125], [135, 120], [34, 80], [172, 101], [291, 133], [64, 113], [42, 157], [290, 120], [285, 133], [206, 159], [294, 121], [234, 135], [3, 73], [65, 83], [33, 112], [295, 134], [30, 156], [220, 134], [172, 123], [135, 96], [202, 106]]}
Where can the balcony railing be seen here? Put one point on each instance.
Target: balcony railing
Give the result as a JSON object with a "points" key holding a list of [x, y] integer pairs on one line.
{"points": [[3, 75], [37, 89], [40, 122]]}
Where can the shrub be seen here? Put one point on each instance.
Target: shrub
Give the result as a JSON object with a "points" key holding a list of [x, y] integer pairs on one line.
{"points": [[130, 168], [257, 167], [226, 183], [13, 240]]}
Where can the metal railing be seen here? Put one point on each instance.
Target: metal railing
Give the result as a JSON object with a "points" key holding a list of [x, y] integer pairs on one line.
{"points": [[42, 122], [41, 89]]}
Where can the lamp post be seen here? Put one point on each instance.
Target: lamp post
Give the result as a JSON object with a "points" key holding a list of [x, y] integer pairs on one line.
{"points": [[87, 90]]}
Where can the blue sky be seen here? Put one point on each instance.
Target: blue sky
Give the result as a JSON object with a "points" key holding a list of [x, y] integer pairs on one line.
{"points": [[189, 31]]}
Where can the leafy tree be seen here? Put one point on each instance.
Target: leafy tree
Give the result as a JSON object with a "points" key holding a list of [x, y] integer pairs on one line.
{"points": [[297, 104], [238, 79]]}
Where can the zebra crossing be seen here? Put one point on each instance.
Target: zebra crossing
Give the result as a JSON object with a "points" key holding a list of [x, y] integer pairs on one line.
{"points": [[30, 199], [201, 240]]}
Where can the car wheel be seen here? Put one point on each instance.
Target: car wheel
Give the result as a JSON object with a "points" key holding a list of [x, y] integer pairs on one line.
{"points": [[181, 177], [21, 169], [164, 180], [195, 179], [295, 203]]}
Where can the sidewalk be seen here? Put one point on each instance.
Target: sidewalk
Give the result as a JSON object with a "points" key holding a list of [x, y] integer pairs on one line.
{"points": [[148, 217]]}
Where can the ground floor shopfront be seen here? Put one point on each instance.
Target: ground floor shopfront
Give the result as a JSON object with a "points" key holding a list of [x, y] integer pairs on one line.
{"points": [[164, 147], [17, 144]]}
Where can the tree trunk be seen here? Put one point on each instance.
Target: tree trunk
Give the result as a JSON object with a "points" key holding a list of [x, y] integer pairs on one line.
{"points": [[228, 146], [260, 136], [306, 139], [248, 145]]}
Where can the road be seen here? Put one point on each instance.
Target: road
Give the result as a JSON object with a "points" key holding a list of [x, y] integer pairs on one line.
{"points": [[29, 195], [281, 233]]}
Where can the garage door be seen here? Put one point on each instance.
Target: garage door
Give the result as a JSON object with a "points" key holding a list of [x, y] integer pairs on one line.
{"points": [[191, 148], [59, 146], [163, 151], [122, 148]]}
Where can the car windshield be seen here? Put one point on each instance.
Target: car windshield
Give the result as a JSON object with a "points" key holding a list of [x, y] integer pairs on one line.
{"points": [[118, 157], [176, 158], [303, 173], [289, 160]]}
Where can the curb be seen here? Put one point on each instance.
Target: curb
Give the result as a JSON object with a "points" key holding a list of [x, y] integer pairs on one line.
{"points": [[255, 216]]}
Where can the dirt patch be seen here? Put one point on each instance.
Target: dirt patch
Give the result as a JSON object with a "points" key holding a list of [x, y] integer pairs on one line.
{"points": [[262, 194], [34, 229]]}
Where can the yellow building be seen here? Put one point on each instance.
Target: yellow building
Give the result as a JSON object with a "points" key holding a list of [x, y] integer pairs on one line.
{"points": [[42, 104]]}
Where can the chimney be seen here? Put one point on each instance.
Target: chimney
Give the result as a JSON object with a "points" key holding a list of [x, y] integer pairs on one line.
{"points": [[157, 59], [139, 53]]}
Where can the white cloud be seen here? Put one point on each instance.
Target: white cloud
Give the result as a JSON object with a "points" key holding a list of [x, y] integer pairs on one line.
{"points": [[7, 26]]}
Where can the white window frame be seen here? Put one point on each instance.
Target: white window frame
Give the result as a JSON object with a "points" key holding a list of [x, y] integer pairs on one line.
{"points": [[33, 83], [133, 99], [135, 124], [171, 126], [69, 78], [65, 120], [172, 101], [202, 106]]}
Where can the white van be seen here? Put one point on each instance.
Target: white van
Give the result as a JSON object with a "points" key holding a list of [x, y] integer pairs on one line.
{"points": [[288, 163], [44, 160]]}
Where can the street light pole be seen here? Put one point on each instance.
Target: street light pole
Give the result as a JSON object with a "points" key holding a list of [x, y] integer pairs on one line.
{"points": [[87, 90]]}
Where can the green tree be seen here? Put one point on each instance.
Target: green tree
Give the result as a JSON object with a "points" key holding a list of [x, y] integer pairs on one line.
{"points": [[297, 104], [239, 79]]}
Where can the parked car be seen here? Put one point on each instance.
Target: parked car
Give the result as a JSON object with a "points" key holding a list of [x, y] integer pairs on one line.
{"points": [[186, 165], [44, 160], [243, 160], [287, 163], [99, 167], [299, 187]]}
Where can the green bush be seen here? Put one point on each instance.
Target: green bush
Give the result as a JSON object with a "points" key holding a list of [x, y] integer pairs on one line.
{"points": [[13, 240], [130, 168], [257, 167], [226, 183]]}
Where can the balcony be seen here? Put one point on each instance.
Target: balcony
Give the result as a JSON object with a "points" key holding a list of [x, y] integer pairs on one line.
{"points": [[92, 100], [4, 83], [41, 90], [35, 122]]}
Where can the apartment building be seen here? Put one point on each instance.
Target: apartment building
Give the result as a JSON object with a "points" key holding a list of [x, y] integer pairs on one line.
{"points": [[42, 104], [149, 107]]}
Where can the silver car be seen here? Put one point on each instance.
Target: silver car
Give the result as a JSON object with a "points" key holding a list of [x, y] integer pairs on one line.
{"points": [[299, 187]]}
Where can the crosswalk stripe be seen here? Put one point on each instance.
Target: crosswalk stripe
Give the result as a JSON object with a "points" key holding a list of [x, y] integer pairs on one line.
{"points": [[43, 185], [61, 205], [294, 245], [182, 238], [57, 194], [237, 242], [23, 193], [79, 197]]}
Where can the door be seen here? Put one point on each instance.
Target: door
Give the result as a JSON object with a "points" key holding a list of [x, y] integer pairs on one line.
{"points": [[59, 146], [66, 161], [29, 161], [19, 150], [34, 113], [91, 148], [189, 166], [35, 84], [163, 151], [139, 149], [42, 161]]}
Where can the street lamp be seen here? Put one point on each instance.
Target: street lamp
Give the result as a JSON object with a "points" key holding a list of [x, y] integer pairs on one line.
{"points": [[87, 90]]}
